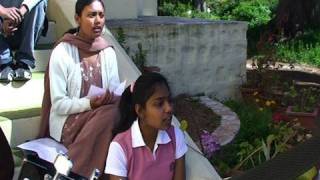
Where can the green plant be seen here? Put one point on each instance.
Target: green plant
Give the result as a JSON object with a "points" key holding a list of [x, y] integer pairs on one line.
{"points": [[254, 121], [175, 9], [255, 12], [259, 140], [302, 100], [304, 49], [282, 137], [140, 57], [121, 38]]}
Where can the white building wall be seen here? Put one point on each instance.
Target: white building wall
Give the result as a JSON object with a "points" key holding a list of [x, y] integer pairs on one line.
{"points": [[121, 9], [130, 9]]}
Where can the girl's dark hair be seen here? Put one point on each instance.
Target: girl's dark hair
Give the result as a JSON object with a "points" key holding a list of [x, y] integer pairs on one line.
{"points": [[80, 5], [143, 89]]}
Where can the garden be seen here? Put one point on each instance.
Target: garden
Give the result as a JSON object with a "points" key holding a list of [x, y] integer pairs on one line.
{"points": [[272, 122], [278, 108]]}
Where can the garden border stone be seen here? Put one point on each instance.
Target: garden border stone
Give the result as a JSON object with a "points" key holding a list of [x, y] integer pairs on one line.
{"points": [[230, 123]]}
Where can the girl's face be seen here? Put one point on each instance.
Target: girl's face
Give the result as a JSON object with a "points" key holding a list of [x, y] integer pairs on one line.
{"points": [[157, 113], [91, 21]]}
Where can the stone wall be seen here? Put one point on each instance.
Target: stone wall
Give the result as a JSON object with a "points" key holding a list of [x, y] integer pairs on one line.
{"points": [[196, 56]]}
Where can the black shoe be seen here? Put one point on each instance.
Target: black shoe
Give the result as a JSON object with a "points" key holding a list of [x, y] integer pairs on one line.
{"points": [[6, 73], [22, 72]]}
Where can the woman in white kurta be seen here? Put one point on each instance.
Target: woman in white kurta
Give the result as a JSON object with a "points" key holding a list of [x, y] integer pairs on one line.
{"points": [[83, 59]]}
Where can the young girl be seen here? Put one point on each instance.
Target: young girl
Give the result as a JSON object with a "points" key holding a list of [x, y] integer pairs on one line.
{"points": [[148, 146]]}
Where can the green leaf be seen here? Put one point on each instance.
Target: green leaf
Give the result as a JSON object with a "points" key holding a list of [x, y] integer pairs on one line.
{"points": [[266, 150]]}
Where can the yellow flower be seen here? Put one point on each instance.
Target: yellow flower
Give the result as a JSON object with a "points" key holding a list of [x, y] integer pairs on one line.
{"points": [[255, 93], [260, 109], [183, 125], [257, 100], [273, 102], [268, 103]]}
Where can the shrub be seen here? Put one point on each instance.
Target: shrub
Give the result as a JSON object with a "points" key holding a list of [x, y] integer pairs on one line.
{"points": [[254, 120], [255, 12], [302, 49], [258, 140], [172, 9]]}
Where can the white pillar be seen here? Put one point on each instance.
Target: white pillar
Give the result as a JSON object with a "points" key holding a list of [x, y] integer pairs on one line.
{"points": [[147, 7], [121, 9]]}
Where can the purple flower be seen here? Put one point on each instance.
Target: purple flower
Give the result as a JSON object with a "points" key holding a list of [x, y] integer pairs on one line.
{"points": [[209, 143]]}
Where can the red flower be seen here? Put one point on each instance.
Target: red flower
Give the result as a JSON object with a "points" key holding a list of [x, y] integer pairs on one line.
{"points": [[278, 117]]}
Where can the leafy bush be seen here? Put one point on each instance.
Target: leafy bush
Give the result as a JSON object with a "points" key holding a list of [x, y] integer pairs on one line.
{"points": [[222, 9], [259, 139], [255, 12], [254, 121], [172, 9], [303, 49]]}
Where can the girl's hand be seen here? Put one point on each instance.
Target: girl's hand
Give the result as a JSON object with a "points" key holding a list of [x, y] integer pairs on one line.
{"points": [[9, 27], [12, 14], [98, 101]]}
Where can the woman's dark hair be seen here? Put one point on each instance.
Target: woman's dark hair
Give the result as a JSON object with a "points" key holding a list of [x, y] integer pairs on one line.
{"points": [[80, 5], [143, 89]]}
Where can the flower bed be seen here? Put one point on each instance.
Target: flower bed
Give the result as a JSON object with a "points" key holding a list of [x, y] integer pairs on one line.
{"points": [[197, 116], [262, 136]]}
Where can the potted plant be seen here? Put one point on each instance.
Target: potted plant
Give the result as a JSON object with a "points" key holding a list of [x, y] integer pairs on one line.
{"points": [[304, 106]]}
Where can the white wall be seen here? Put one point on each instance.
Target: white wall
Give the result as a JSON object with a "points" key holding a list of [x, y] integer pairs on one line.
{"points": [[130, 9], [147, 8], [121, 9], [196, 56]]}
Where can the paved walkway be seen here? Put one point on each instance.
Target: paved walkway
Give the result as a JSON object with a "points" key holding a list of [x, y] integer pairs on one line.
{"points": [[287, 67], [230, 123]]}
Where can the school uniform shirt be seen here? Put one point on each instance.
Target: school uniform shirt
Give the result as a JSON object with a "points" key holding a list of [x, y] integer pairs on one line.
{"points": [[130, 157]]}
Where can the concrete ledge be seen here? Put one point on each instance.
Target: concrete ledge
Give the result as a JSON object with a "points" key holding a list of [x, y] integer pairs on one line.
{"points": [[22, 113], [22, 95], [20, 130], [146, 21], [42, 57]]}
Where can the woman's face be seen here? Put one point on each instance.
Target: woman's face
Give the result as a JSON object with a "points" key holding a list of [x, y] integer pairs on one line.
{"points": [[157, 113], [91, 21]]}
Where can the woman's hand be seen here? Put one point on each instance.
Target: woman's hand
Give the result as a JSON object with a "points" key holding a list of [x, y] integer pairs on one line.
{"points": [[98, 101]]}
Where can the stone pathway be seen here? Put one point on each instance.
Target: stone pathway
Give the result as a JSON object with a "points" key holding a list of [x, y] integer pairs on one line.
{"points": [[230, 123], [287, 67]]}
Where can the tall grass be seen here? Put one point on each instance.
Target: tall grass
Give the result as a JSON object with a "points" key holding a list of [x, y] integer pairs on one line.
{"points": [[304, 49]]}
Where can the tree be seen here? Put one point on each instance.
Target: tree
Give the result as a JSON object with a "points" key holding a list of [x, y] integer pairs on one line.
{"points": [[293, 16], [199, 5]]}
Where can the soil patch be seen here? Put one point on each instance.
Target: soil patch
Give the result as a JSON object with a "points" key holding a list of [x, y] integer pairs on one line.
{"points": [[198, 116]]}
